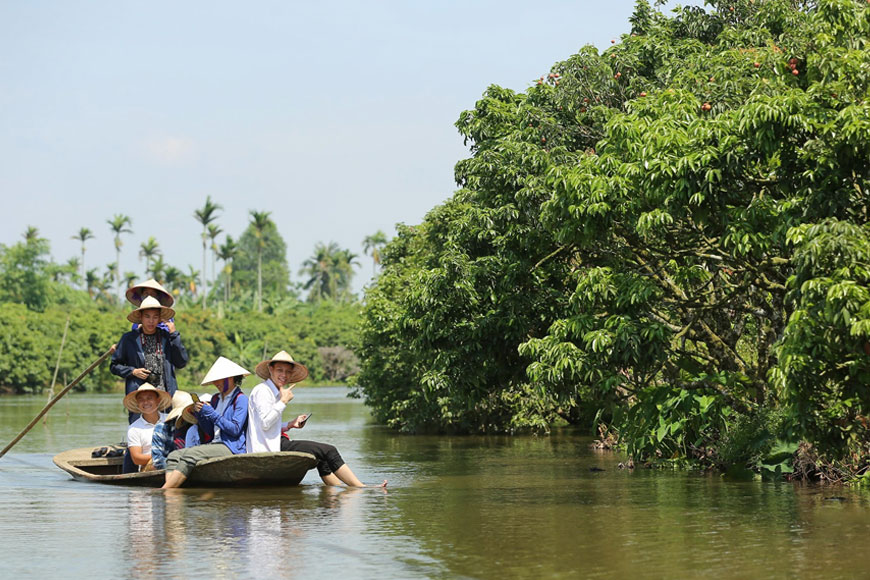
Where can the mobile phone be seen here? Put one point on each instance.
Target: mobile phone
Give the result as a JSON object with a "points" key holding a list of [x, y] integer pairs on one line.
{"points": [[304, 421]]}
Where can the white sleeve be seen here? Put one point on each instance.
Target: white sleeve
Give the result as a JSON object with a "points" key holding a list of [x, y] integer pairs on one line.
{"points": [[265, 407], [134, 437]]}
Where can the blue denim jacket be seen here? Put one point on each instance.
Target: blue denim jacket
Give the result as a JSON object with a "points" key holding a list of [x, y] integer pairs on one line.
{"points": [[233, 423]]}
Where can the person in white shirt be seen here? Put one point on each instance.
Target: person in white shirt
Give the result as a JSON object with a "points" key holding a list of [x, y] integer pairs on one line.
{"points": [[148, 401], [265, 406]]}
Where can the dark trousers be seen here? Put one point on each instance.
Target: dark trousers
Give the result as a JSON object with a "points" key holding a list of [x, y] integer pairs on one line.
{"points": [[328, 457]]}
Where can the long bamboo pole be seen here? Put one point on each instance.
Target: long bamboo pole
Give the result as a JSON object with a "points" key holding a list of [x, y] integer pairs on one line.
{"points": [[51, 403]]}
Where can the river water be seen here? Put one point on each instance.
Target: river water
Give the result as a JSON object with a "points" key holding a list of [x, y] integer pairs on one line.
{"points": [[455, 507]]}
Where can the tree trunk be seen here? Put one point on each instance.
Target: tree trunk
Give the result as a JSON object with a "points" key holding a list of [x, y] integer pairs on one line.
{"points": [[204, 283], [259, 279]]}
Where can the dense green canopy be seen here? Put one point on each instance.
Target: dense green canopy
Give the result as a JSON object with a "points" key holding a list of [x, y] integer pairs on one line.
{"points": [[669, 238]]}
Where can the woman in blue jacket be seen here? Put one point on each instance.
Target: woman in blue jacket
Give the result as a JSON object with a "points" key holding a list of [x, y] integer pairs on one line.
{"points": [[226, 416], [149, 353]]}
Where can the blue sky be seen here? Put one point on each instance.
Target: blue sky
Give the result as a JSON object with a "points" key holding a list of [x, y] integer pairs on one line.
{"points": [[336, 117]]}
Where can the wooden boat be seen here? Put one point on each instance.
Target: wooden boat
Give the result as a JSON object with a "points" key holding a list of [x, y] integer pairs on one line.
{"points": [[286, 468]]}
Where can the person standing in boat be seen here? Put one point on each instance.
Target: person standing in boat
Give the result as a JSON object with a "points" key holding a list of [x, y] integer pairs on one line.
{"points": [[147, 402], [149, 353], [151, 287], [267, 403], [226, 416]]}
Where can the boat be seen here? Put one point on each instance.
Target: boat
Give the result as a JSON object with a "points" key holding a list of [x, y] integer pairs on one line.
{"points": [[285, 468]]}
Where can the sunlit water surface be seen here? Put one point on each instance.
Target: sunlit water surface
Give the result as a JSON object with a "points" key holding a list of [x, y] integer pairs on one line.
{"points": [[456, 507]]}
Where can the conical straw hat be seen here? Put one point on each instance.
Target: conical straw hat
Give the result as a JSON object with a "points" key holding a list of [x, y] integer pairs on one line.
{"points": [[298, 373], [187, 414], [223, 368], [147, 304], [180, 401], [133, 406], [135, 296]]}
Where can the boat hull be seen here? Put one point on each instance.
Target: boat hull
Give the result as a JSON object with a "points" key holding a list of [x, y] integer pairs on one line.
{"points": [[286, 468]]}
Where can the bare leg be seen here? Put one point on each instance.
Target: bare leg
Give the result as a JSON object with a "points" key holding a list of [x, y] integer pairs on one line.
{"points": [[174, 478], [345, 474], [330, 479]]}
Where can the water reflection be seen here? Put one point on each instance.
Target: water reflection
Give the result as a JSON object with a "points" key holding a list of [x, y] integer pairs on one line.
{"points": [[476, 507]]}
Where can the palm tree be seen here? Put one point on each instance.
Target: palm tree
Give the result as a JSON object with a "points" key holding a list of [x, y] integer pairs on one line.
{"points": [[205, 216], [344, 262], [31, 235], [373, 244], [320, 271], [158, 267], [119, 224], [84, 235], [148, 250], [93, 281], [130, 278], [190, 280], [173, 278], [226, 252], [72, 269], [214, 231], [260, 221]]}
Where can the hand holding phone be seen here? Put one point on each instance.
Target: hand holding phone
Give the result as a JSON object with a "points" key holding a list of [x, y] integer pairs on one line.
{"points": [[305, 420]]}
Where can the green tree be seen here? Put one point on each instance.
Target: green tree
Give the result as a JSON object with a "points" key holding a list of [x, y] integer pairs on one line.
{"points": [[149, 250], [23, 271], [83, 235], [119, 225], [205, 216], [329, 271], [259, 228], [214, 231], [635, 232], [173, 279], [157, 270], [226, 252], [373, 245]]}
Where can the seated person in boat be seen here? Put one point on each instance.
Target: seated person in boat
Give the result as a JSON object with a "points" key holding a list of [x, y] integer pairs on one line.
{"points": [[225, 416], [177, 431], [148, 401], [267, 403], [149, 353], [137, 293]]}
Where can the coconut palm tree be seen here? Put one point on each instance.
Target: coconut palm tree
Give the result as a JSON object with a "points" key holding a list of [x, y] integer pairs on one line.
{"points": [[31, 235], [226, 252], [320, 269], [205, 216], [84, 235], [373, 244], [119, 224], [260, 220], [148, 250]]}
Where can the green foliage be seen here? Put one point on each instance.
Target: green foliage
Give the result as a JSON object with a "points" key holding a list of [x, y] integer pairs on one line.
{"points": [[329, 272], [276, 274], [30, 341], [636, 232], [24, 272]]}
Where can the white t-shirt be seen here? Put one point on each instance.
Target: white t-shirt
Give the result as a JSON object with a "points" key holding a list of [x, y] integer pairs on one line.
{"points": [[139, 434], [264, 418]]}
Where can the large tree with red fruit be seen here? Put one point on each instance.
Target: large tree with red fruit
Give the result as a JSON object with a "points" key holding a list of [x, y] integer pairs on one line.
{"points": [[668, 237]]}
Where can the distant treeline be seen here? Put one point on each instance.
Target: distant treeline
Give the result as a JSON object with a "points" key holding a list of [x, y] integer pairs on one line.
{"points": [[322, 336]]}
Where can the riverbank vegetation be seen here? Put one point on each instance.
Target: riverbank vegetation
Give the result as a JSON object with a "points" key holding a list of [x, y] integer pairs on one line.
{"points": [[245, 311], [667, 241]]}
